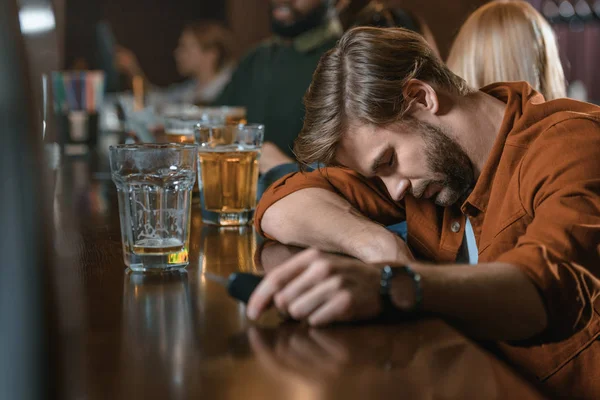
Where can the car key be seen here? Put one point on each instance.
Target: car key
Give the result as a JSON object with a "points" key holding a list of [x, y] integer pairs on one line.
{"points": [[240, 285]]}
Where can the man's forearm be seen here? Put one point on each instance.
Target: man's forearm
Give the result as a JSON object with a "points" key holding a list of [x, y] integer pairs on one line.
{"points": [[491, 301], [319, 218]]}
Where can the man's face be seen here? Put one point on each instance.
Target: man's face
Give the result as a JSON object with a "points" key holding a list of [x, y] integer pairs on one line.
{"points": [[410, 157], [289, 12], [291, 18]]}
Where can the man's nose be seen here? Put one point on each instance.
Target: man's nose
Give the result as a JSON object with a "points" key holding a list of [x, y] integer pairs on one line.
{"points": [[396, 187]]}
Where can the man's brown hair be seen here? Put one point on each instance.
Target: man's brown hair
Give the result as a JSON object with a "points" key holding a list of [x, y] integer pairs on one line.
{"points": [[361, 81]]}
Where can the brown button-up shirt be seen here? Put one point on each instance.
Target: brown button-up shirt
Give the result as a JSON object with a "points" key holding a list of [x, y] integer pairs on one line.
{"points": [[536, 205]]}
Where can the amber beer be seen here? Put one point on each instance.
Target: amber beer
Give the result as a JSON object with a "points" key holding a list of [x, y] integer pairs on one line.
{"points": [[179, 136], [178, 130], [158, 246], [228, 171], [229, 179]]}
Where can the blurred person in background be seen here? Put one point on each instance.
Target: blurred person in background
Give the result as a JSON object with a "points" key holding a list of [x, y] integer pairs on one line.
{"points": [[273, 77], [204, 55], [508, 40]]}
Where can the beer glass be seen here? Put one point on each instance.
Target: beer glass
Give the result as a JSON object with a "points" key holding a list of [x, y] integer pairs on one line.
{"points": [[179, 130], [207, 115], [228, 171], [223, 115], [154, 184]]}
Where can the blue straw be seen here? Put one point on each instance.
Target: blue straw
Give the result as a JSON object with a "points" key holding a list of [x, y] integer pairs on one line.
{"points": [[70, 90], [82, 76]]}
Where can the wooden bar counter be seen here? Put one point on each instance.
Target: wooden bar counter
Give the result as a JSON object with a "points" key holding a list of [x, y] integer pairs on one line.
{"points": [[180, 336]]}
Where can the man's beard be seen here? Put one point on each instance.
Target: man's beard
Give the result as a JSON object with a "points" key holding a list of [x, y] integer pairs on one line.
{"points": [[446, 159], [302, 23]]}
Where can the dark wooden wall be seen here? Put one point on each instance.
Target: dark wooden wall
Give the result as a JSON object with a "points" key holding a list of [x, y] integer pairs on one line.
{"points": [[250, 19], [444, 17], [149, 27]]}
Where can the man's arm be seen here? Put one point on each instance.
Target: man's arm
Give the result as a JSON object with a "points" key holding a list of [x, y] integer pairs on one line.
{"points": [[317, 217], [334, 209], [491, 301]]}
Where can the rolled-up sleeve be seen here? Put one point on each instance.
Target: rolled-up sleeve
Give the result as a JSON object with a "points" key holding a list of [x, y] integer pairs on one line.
{"points": [[560, 250], [367, 196]]}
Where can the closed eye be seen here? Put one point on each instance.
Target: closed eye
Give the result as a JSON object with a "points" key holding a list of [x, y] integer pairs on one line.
{"points": [[387, 164]]}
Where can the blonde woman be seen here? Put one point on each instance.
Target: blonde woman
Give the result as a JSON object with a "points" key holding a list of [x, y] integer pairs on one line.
{"points": [[508, 41]]}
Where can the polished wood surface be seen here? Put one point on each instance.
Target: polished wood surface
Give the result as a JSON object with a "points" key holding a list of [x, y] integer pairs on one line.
{"points": [[179, 336]]}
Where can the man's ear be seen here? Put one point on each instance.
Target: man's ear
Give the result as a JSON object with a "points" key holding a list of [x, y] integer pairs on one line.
{"points": [[421, 97]]}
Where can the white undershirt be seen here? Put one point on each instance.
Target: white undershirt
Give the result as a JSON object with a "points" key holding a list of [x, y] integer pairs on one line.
{"points": [[469, 252]]}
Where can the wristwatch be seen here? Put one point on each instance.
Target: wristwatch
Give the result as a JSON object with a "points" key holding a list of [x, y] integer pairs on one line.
{"points": [[385, 285]]}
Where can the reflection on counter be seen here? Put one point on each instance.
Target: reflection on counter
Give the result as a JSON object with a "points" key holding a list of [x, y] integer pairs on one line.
{"points": [[419, 360], [158, 332], [228, 249]]}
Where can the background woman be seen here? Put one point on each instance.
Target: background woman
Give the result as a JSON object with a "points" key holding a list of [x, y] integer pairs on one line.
{"points": [[508, 41], [204, 54]]}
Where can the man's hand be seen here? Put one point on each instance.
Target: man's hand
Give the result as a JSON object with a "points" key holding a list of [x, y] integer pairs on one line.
{"points": [[322, 288]]}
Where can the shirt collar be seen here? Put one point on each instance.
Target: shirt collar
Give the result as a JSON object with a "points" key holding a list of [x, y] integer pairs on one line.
{"points": [[516, 95], [314, 38]]}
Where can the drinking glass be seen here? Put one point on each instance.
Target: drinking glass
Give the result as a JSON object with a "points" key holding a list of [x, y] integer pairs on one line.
{"points": [[179, 130], [154, 184], [228, 171], [207, 115], [223, 115]]}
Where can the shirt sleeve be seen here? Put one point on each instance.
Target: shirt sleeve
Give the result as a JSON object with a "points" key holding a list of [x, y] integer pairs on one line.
{"points": [[560, 250], [368, 196]]}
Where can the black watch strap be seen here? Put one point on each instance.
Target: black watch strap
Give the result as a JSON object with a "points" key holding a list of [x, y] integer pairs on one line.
{"points": [[387, 275]]}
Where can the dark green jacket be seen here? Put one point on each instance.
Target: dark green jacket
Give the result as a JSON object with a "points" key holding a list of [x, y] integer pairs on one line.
{"points": [[272, 79]]}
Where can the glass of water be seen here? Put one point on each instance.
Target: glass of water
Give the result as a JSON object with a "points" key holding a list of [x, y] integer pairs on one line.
{"points": [[154, 184]]}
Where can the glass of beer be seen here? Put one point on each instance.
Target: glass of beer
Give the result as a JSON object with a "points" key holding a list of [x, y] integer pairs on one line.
{"points": [[179, 130], [154, 185], [228, 171], [223, 115]]}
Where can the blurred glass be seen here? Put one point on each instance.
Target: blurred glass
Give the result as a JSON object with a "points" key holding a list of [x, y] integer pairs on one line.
{"points": [[154, 185], [210, 115], [52, 159], [179, 130], [228, 171]]}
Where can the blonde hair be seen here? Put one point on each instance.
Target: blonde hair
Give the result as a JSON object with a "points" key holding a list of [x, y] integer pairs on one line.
{"points": [[508, 41], [362, 80]]}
